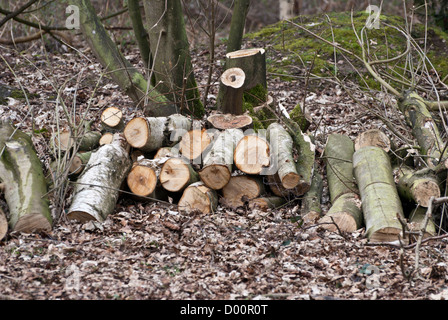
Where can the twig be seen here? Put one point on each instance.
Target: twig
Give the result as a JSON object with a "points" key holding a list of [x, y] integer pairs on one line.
{"points": [[12, 15]]}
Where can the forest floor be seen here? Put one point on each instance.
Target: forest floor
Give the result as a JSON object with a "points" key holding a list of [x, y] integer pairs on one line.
{"points": [[151, 251]]}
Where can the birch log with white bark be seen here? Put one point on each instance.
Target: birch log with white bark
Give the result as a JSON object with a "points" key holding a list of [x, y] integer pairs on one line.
{"points": [[97, 189]]}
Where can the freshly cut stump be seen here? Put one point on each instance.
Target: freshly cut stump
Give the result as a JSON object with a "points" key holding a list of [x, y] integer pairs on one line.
{"points": [[372, 137], [198, 197], [266, 203], [143, 177], [230, 121], [252, 154], [176, 174], [232, 81]]}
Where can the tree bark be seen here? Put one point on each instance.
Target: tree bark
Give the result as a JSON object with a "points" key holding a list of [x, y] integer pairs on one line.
{"points": [[141, 36], [130, 80], [177, 174], [282, 154], [311, 207], [345, 214], [151, 133], [173, 70], [97, 189], [252, 154], [338, 153], [241, 189], [424, 128], [237, 25], [24, 183], [416, 187], [198, 197], [305, 155], [380, 201], [218, 161], [232, 81]]}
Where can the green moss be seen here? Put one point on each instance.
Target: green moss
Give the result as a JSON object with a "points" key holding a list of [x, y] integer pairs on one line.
{"points": [[298, 50], [298, 117], [253, 98]]}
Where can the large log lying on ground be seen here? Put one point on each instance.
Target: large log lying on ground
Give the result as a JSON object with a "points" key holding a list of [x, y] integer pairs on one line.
{"points": [[218, 161], [413, 186], [97, 189], [23, 182], [345, 209], [380, 200], [151, 133], [305, 155], [424, 128], [198, 197], [311, 206], [252, 154], [282, 155], [241, 189]]}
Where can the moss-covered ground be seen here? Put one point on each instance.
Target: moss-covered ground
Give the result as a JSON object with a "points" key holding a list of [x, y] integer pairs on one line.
{"points": [[292, 50]]}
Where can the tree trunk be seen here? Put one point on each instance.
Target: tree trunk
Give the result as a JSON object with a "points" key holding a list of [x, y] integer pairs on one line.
{"points": [[168, 40], [241, 189], [112, 120], [232, 81], [150, 134], [23, 181], [251, 154], [106, 138], [380, 201], [416, 187], [424, 128], [130, 80], [416, 222], [198, 197], [218, 161], [97, 189], [253, 63], [141, 36], [345, 211], [177, 174], [282, 154], [237, 25]]}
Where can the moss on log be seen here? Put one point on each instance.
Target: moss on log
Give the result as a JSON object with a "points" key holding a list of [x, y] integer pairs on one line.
{"points": [[380, 200]]}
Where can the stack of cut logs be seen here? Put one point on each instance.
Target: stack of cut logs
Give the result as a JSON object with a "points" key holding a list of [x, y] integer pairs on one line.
{"points": [[173, 157]]}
